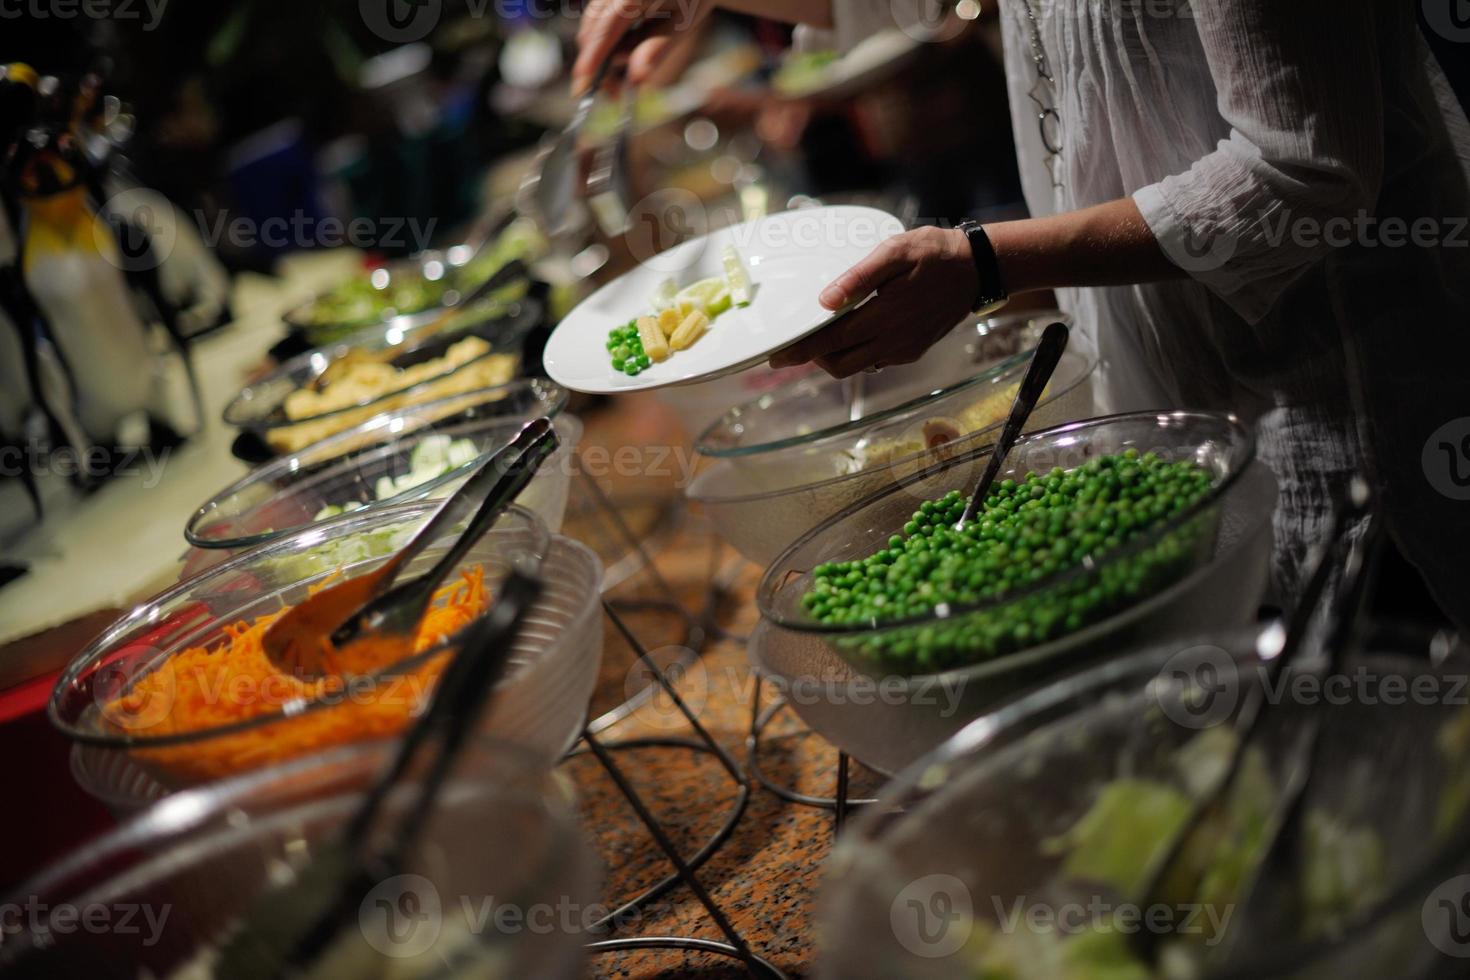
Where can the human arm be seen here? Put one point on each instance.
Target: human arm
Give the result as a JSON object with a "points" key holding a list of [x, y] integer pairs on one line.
{"points": [[606, 24]]}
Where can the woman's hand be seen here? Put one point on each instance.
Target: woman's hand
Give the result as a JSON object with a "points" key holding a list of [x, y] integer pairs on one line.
{"points": [[926, 283], [606, 25]]}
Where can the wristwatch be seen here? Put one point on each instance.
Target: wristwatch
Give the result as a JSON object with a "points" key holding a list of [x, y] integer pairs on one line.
{"points": [[992, 295]]}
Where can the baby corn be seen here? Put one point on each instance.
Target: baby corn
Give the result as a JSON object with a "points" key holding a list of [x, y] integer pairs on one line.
{"points": [[689, 331], [669, 320], [655, 344]]}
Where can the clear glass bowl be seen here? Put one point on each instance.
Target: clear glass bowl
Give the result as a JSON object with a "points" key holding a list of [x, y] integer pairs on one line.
{"points": [[286, 494], [762, 502], [889, 721], [262, 719], [975, 813], [260, 407], [983, 651], [817, 407], [437, 280], [504, 832]]}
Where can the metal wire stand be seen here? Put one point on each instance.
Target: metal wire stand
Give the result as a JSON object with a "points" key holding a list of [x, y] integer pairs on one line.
{"points": [[840, 803], [697, 631]]}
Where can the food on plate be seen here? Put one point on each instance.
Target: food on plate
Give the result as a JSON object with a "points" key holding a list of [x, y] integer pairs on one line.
{"points": [[651, 335], [467, 365], [690, 329], [1024, 534], [679, 317], [430, 459], [1128, 826], [233, 682]]}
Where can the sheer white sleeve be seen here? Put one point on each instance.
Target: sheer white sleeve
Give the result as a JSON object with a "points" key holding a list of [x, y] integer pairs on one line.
{"points": [[1299, 85]]}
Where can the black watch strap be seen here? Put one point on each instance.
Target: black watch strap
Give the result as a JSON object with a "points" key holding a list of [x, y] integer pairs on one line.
{"points": [[992, 294]]}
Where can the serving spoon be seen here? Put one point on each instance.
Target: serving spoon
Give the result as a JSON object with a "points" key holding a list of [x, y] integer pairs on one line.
{"points": [[1043, 364], [289, 927], [303, 641]]}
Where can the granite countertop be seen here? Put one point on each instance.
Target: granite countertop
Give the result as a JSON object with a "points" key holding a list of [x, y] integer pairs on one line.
{"points": [[766, 875]]}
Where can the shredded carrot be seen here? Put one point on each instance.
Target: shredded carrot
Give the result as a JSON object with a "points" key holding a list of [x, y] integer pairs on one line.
{"points": [[198, 689]]}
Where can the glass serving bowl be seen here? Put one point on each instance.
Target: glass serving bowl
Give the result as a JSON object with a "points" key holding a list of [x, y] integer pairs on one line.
{"points": [[196, 722], [817, 407], [761, 502], [1205, 565], [172, 881], [507, 303], [416, 290], [989, 822], [888, 722], [259, 408], [287, 494]]}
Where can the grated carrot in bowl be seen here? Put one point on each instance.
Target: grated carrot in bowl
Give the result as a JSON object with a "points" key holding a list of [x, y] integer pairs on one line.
{"points": [[209, 693]]}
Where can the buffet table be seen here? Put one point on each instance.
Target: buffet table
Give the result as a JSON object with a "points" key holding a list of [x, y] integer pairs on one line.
{"points": [[764, 875]]}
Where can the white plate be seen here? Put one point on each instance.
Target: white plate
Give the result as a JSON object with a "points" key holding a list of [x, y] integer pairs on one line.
{"points": [[790, 255]]}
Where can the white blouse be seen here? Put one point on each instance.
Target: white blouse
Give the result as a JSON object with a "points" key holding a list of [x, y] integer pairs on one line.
{"points": [[1306, 162]]}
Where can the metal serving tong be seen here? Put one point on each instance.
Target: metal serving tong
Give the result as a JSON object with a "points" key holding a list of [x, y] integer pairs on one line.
{"points": [[289, 927], [608, 193], [1279, 857], [302, 641]]}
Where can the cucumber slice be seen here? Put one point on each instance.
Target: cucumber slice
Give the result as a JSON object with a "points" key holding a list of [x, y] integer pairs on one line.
{"points": [[737, 277]]}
